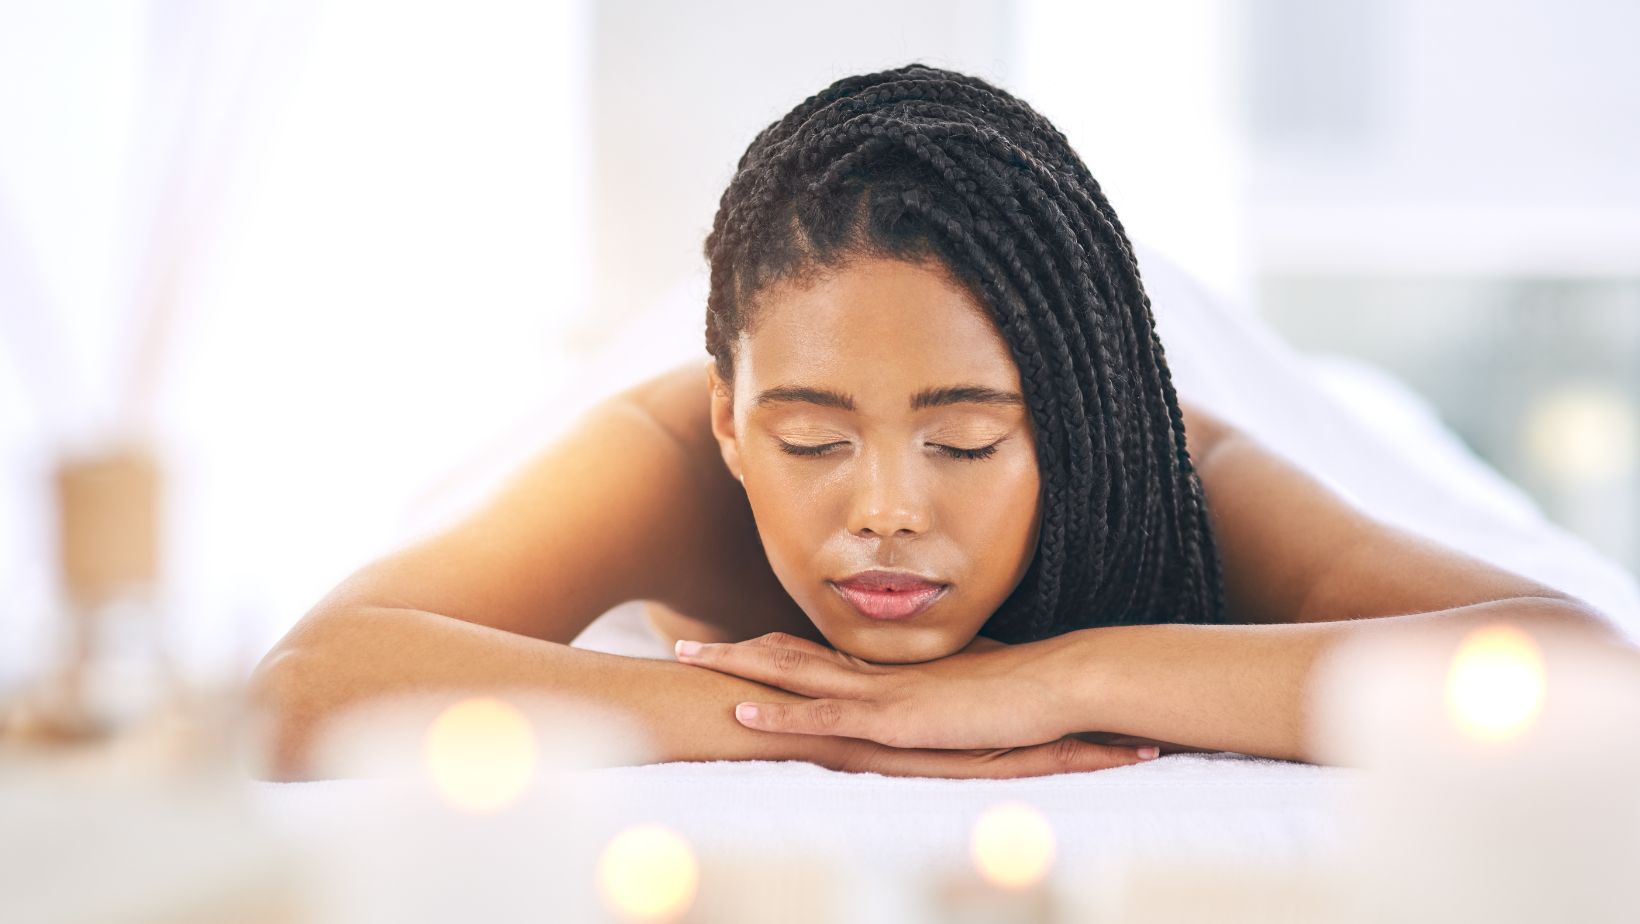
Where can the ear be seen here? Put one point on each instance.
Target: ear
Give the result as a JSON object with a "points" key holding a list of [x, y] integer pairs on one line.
{"points": [[721, 394]]}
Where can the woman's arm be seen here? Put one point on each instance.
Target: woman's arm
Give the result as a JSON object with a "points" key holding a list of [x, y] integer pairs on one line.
{"points": [[1206, 687], [339, 658], [688, 713], [610, 511], [1304, 568], [1245, 688]]}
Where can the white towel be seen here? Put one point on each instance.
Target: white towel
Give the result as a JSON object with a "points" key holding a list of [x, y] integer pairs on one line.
{"points": [[879, 841]]}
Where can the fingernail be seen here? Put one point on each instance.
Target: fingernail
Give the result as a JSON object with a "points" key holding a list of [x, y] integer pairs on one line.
{"points": [[746, 712], [686, 649], [1149, 753]]}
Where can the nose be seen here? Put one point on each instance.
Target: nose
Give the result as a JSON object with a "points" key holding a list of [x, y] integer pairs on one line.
{"points": [[888, 501]]}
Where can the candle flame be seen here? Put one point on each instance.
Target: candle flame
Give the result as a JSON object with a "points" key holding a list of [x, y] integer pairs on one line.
{"points": [[1495, 686], [480, 753], [1012, 845], [648, 873]]}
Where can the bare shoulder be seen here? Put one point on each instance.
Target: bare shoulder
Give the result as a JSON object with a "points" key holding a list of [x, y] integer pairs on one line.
{"points": [[676, 400], [631, 502], [597, 517], [1203, 429], [1294, 550], [727, 592]]}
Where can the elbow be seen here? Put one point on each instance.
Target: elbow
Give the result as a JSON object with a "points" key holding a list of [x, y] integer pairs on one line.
{"points": [[1573, 616], [283, 713]]}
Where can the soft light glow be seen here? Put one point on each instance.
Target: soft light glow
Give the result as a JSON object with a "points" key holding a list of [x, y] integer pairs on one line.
{"points": [[648, 873], [1495, 687], [1584, 432], [1012, 845], [481, 753]]}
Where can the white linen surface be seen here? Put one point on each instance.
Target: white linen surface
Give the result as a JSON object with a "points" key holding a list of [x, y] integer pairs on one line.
{"points": [[376, 846], [1400, 464], [1371, 439]]}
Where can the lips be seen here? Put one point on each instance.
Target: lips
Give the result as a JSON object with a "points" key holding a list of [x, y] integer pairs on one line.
{"points": [[889, 594]]}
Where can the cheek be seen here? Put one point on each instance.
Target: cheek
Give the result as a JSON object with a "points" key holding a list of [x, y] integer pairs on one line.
{"points": [[1001, 511], [792, 525]]}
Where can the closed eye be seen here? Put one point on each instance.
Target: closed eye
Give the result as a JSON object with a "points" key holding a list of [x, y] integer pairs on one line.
{"points": [[797, 450], [982, 452]]}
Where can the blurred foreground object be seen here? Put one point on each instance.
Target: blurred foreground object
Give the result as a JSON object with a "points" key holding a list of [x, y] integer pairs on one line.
{"points": [[110, 670], [1011, 852], [122, 789], [1501, 766], [92, 841], [477, 805]]}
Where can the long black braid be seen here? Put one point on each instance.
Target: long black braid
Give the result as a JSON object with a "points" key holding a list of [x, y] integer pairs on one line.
{"points": [[923, 164]]}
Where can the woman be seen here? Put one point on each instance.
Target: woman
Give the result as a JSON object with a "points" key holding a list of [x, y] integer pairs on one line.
{"points": [[933, 507]]}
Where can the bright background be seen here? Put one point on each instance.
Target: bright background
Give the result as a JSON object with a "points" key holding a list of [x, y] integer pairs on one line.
{"points": [[347, 260]]}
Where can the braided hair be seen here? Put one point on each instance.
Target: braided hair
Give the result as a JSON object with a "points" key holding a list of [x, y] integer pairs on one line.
{"points": [[931, 166]]}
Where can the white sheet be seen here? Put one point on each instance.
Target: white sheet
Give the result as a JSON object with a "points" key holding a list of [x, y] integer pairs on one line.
{"points": [[880, 836], [1370, 438]]}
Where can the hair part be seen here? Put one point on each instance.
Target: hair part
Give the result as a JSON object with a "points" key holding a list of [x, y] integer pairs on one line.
{"points": [[931, 166]]}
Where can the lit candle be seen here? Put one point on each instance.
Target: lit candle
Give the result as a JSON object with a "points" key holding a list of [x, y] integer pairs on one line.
{"points": [[648, 873], [477, 809], [1011, 852], [1500, 773], [1224, 890], [789, 886], [480, 753]]}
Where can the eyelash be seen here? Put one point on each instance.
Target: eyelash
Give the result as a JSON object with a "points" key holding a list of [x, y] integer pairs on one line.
{"points": [[970, 455]]}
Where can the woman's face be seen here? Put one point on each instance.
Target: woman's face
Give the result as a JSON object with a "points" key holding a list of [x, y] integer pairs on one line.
{"points": [[885, 370]]}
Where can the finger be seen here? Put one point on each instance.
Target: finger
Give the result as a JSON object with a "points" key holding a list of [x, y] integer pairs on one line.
{"points": [[1134, 741], [847, 718], [786, 668], [787, 640], [1072, 755], [1065, 755]]}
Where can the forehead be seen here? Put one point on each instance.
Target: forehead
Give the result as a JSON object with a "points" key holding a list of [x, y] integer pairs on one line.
{"points": [[879, 326]]}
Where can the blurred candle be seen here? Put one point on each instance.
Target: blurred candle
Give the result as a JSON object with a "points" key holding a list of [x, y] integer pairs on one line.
{"points": [[648, 873], [790, 885], [1495, 685], [481, 753], [1501, 768], [1183, 886], [1011, 852], [479, 805]]}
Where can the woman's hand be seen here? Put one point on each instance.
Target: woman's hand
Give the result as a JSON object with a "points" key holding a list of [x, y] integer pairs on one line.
{"points": [[1064, 755], [990, 699]]}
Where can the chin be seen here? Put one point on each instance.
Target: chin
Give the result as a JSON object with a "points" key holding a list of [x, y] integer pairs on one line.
{"points": [[881, 647]]}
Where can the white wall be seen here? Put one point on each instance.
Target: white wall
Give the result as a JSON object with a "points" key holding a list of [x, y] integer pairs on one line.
{"points": [[390, 297], [681, 89], [1476, 136], [1149, 94], [379, 290]]}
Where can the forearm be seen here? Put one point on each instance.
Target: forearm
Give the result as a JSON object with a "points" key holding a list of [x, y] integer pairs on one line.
{"points": [[1244, 688], [335, 660]]}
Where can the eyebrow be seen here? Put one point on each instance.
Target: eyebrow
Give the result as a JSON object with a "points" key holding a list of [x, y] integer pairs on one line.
{"points": [[927, 398]]}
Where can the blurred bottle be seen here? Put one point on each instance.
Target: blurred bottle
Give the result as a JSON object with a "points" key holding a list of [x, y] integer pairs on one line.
{"points": [[111, 697]]}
